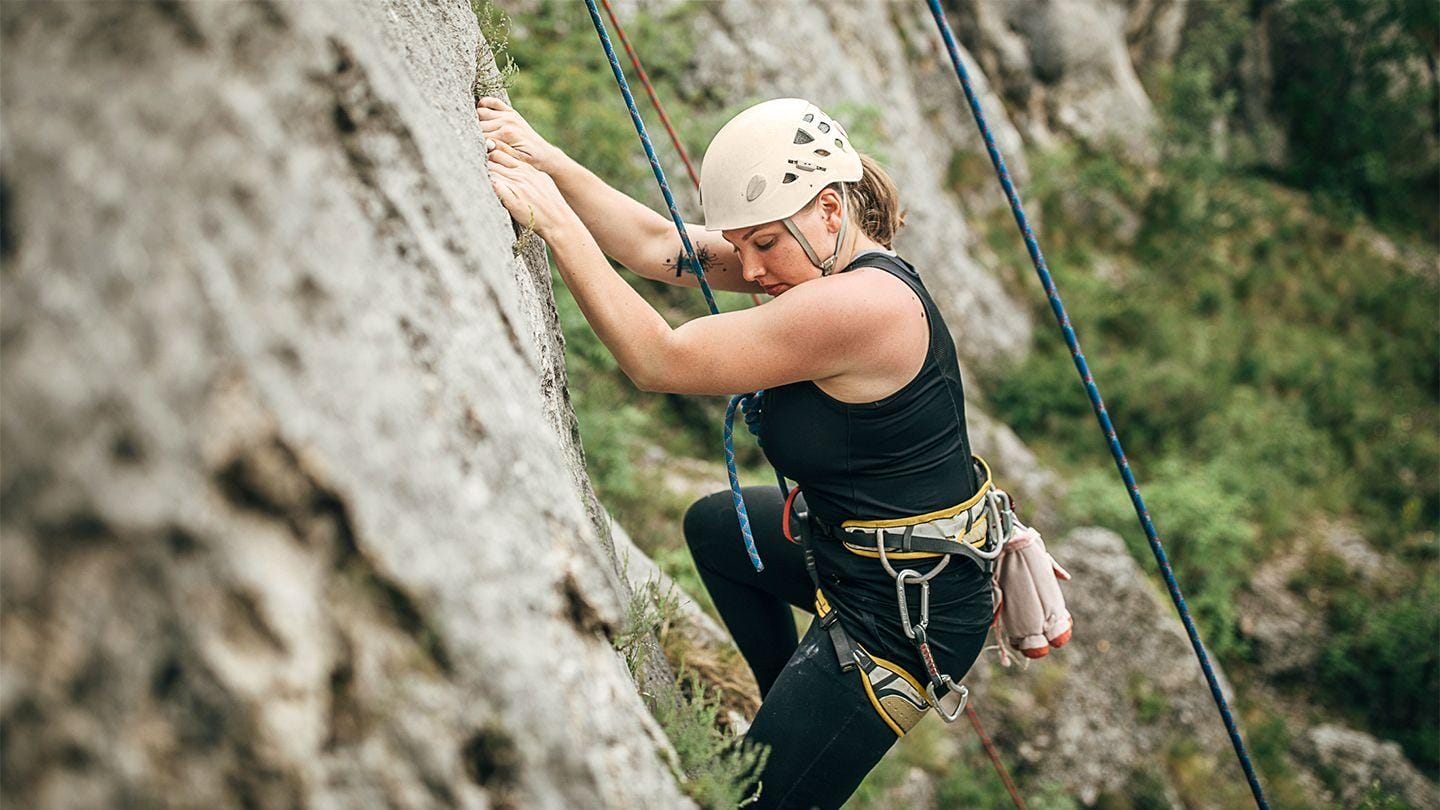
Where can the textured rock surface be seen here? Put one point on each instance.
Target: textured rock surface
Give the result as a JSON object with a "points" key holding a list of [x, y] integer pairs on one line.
{"points": [[1070, 69], [1360, 761], [291, 512], [1276, 620]]}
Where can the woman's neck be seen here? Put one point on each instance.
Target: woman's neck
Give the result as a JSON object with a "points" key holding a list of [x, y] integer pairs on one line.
{"points": [[859, 243]]}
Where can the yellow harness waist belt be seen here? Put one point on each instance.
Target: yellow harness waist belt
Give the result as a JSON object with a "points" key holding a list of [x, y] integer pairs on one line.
{"points": [[965, 528]]}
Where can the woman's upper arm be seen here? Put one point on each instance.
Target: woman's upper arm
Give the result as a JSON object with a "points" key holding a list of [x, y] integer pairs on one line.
{"points": [[664, 259], [812, 332]]}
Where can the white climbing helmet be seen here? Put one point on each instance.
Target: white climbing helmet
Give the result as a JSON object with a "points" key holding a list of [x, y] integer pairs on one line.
{"points": [[771, 160]]}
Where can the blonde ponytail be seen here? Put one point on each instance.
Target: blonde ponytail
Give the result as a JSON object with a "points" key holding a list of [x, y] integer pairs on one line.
{"points": [[874, 203]]}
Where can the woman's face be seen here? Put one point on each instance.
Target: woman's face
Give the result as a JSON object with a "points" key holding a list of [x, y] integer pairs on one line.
{"points": [[770, 256]]}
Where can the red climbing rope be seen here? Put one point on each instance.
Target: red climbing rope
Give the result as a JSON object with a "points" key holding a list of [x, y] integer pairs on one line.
{"points": [[655, 102], [994, 756], [650, 91]]}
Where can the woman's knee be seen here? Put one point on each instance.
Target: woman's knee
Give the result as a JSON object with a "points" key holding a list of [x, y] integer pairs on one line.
{"points": [[705, 519]]}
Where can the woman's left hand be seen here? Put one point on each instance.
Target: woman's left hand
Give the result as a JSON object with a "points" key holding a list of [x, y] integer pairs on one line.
{"points": [[528, 194]]}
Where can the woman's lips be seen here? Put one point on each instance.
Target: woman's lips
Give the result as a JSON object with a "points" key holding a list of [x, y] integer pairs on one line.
{"points": [[776, 290]]}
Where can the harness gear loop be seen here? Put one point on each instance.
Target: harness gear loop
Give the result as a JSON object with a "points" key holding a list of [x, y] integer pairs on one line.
{"points": [[785, 516]]}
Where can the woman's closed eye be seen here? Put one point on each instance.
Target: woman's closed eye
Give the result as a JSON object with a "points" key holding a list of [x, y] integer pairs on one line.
{"points": [[765, 246]]}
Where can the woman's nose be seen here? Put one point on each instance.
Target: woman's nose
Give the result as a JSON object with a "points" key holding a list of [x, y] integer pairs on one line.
{"points": [[750, 272]]}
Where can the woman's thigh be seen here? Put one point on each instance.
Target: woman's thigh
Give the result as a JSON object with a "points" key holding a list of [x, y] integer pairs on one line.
{"points": [[712, 531], [823, 733]]}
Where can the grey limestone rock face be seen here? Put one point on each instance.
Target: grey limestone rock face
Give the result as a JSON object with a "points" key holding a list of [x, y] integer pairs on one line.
{"points": [[292, 510], [1360, 762], [1070, 69]]}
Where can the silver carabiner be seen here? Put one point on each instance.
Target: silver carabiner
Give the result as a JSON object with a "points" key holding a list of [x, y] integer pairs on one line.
{"points": [[955, 689], [1007, 515], [997, 528], [890, 569], [900, 580]]}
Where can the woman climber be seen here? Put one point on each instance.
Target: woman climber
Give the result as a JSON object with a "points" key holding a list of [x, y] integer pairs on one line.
{"points": [[862, 405]]}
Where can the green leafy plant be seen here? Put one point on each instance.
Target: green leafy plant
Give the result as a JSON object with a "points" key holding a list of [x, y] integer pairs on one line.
{"points": [[495, 30], [717, 770]]}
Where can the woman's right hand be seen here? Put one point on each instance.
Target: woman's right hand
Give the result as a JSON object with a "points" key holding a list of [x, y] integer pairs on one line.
{"points": [[499, 122]]}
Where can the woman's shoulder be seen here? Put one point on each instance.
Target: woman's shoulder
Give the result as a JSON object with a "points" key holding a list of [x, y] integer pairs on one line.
{"points": [[878, 286], [864, 298], [874, 301]]}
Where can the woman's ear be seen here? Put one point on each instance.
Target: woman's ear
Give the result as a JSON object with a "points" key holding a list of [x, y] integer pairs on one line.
{"points": [[830, 209]]}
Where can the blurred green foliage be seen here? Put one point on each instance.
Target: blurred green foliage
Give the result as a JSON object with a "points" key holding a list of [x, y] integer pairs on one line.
{"points": [[1355, 82], [1352, 86], [1269, 365], [1382, 656]]}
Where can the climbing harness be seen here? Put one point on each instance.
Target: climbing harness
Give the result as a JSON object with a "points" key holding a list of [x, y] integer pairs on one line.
{"points": [[978, 528], [893, 692], [1038, 260]]}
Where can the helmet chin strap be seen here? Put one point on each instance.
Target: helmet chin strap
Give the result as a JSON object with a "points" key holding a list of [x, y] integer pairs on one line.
{"points": [[829, 264]]}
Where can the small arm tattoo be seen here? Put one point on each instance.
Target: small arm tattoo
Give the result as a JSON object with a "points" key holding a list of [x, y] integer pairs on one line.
{"points": [[702, 254]]}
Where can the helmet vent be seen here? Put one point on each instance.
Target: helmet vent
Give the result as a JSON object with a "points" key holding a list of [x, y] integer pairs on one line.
{"points": [[801, 136], [839, 144], [809, 117], [789, 177], [755, 188], [823, 152], [824, 127]]}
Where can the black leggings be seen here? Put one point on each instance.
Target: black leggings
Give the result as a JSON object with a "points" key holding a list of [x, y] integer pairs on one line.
{"points": [[823, 733]]}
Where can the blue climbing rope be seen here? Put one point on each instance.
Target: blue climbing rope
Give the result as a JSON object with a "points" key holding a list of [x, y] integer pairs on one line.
{"points": [[735, 495], [699, 272], [1038, 259], [650, 153]]}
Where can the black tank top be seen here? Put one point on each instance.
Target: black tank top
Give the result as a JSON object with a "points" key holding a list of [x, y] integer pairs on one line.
{"points": [[906, 454]]}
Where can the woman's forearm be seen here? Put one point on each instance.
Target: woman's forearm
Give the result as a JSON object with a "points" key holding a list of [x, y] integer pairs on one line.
{"points": [[623, 227], [628, 326]]}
